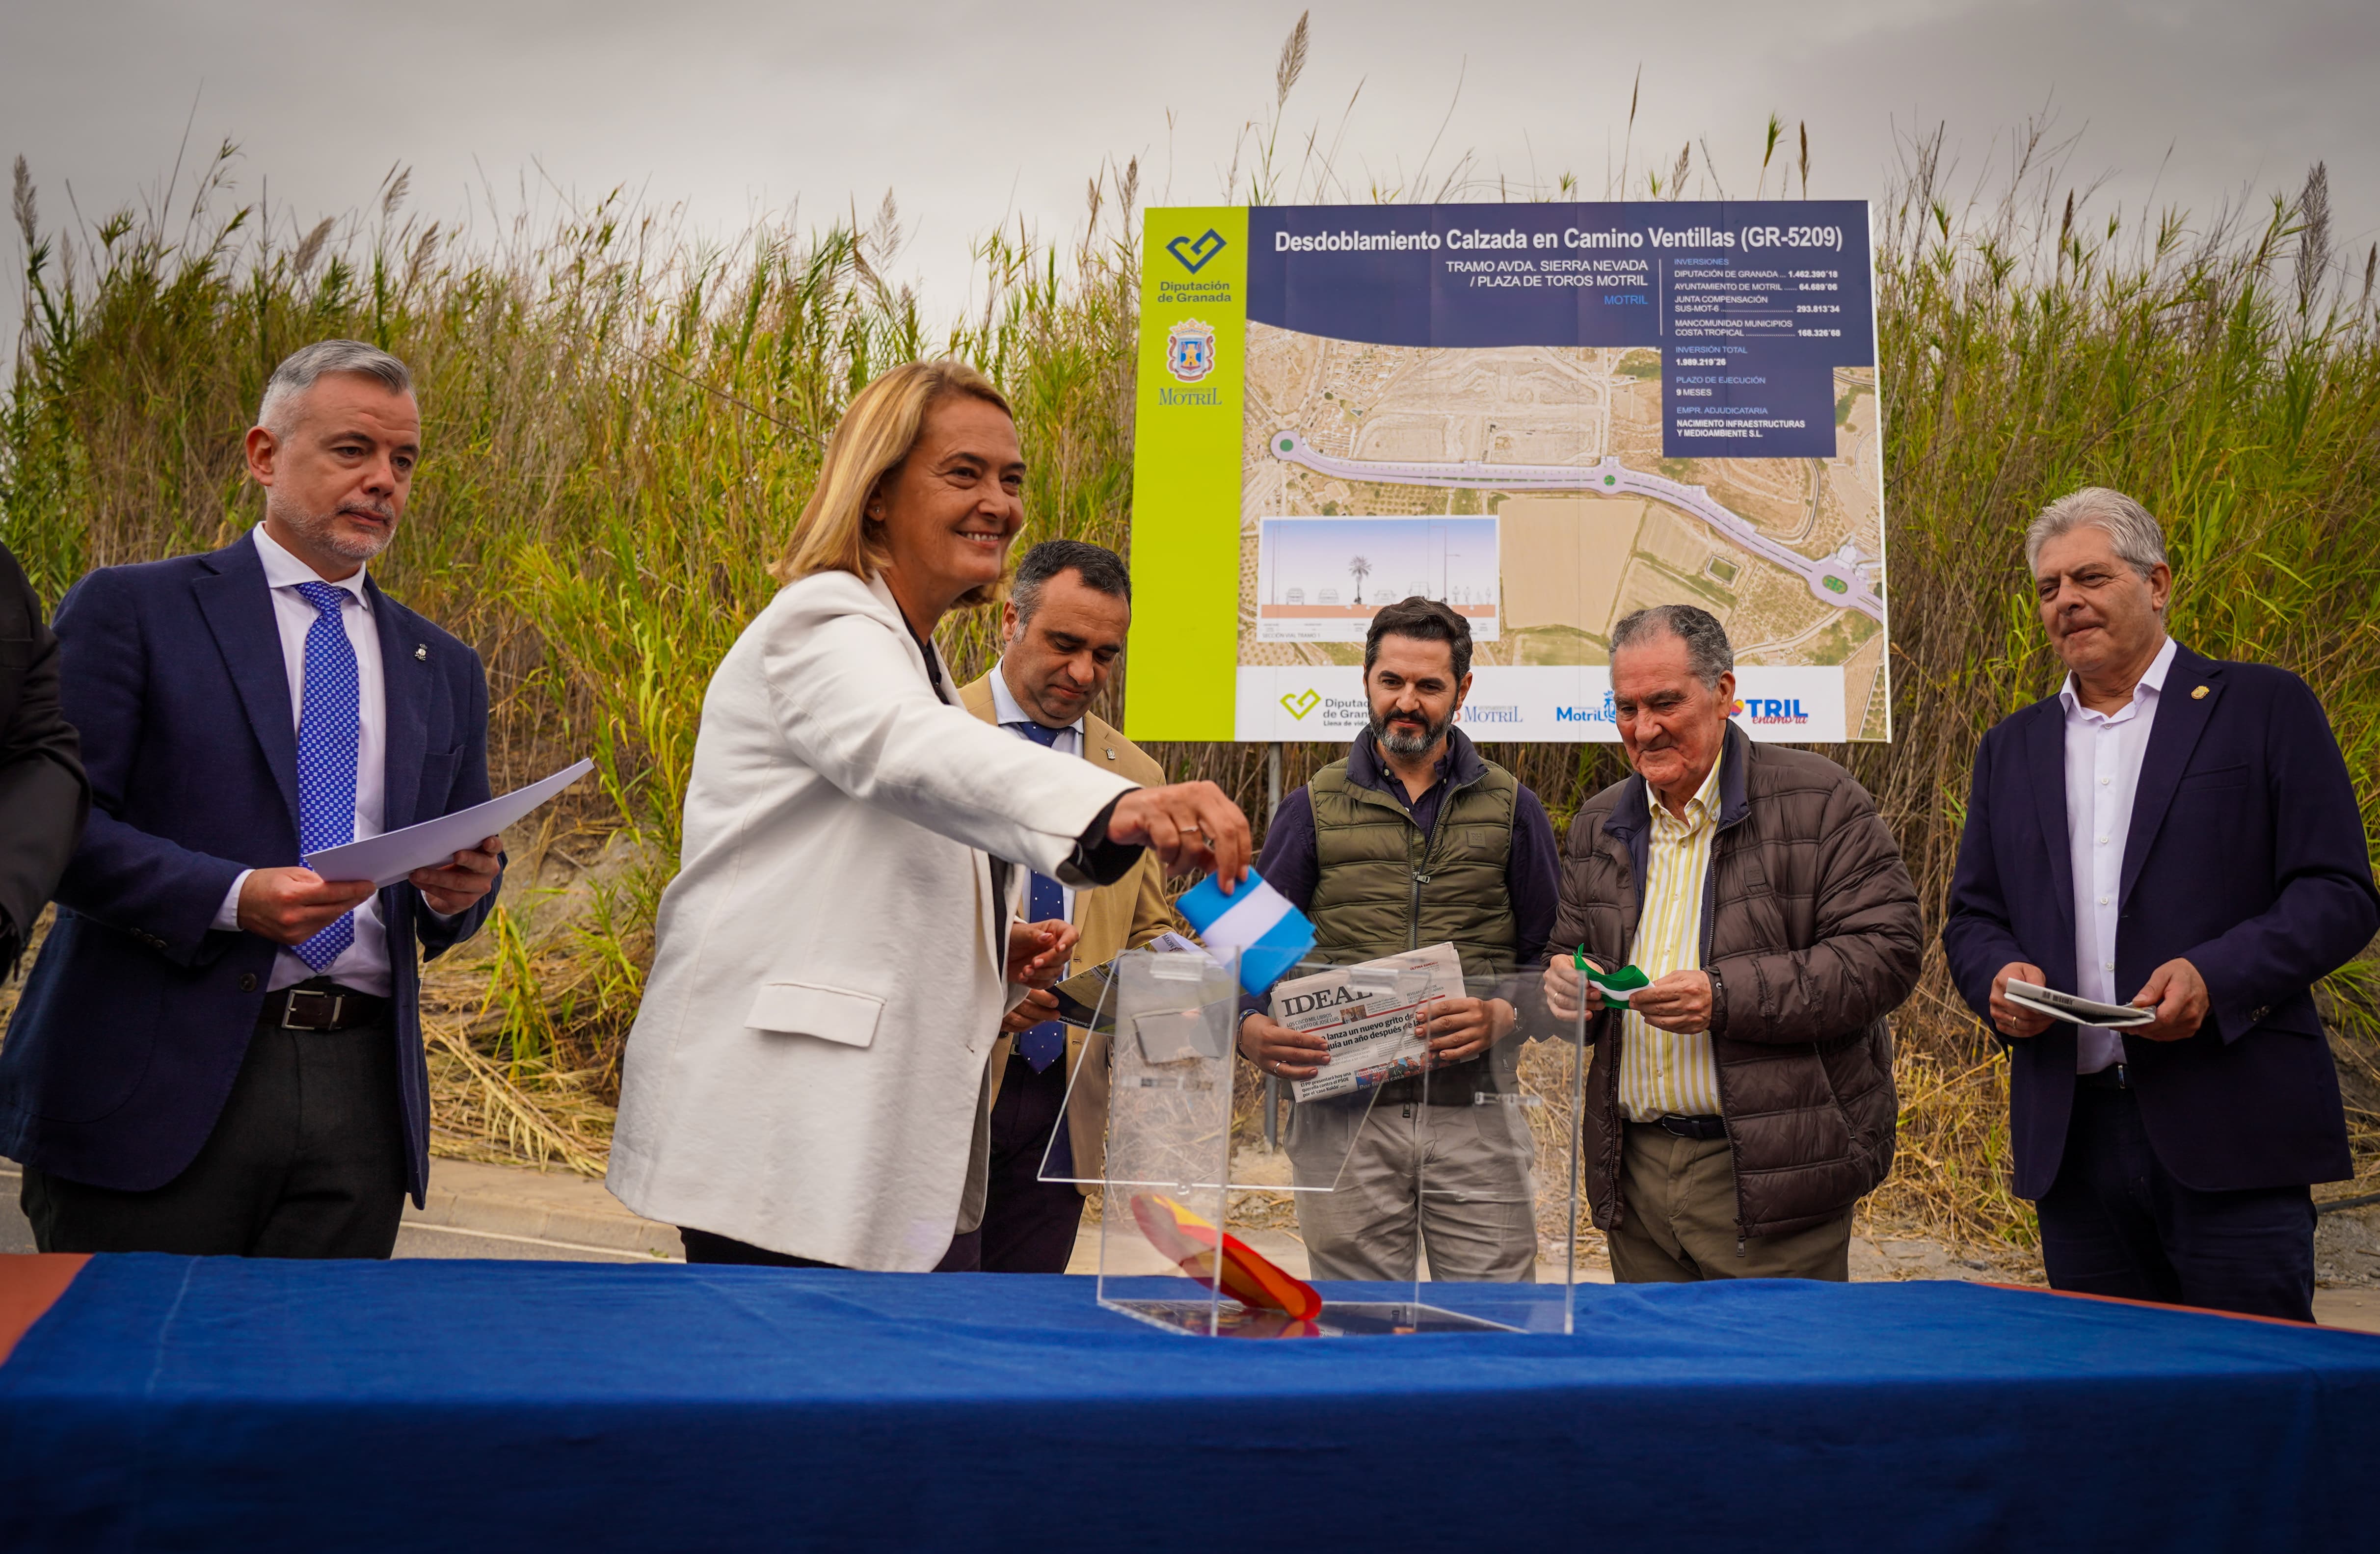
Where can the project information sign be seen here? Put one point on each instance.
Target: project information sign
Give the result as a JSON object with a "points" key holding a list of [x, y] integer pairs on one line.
{"points": [[1545, 416]]}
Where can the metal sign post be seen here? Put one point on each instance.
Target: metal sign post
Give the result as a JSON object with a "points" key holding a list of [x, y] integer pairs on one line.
{"points": [[1272, 1081]]}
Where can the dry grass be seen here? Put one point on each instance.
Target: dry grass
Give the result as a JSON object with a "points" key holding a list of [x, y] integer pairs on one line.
{"points": [[621, 422]]}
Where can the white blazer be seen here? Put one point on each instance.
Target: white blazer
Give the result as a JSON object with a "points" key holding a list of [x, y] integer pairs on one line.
{"points": [[829, 964]]}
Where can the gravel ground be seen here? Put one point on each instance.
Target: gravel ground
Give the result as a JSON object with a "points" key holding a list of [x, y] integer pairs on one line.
{"points": [[478, 1211]]}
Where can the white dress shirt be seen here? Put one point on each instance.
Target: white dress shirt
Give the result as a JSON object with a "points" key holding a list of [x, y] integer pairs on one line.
{"points": [[2103, 771], [1069, 742], [363, 965]]}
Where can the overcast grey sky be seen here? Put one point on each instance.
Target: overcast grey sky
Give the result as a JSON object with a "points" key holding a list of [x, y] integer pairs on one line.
{"points": [[975, 112]]}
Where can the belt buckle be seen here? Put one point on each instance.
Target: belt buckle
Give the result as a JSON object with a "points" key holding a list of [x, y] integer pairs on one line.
{"points": [[289, 1020]]}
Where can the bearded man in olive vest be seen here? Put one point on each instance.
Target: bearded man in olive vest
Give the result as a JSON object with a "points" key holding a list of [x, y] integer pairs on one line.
{"points": [[1415, 840]]}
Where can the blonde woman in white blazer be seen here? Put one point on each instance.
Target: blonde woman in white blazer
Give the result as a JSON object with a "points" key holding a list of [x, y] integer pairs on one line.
{"points": [[832, 961]]}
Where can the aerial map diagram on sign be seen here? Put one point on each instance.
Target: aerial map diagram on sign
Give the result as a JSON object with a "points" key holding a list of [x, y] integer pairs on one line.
{"points": [[1546, 416]]}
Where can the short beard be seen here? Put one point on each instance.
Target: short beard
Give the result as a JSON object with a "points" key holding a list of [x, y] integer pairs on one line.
{"points": [[1406, 743], [321, 531]]}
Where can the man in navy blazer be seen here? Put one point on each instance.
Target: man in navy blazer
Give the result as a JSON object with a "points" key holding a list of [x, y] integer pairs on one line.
{"points": [[219, 1051], [2180, 835]]}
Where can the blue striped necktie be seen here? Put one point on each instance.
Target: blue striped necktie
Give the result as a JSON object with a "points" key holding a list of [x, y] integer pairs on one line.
{"points": [[1046, 899], [330, 728]]}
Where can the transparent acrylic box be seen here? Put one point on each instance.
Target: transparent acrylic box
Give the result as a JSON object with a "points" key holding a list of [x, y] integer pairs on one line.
{"points": [[1417, 1196]]}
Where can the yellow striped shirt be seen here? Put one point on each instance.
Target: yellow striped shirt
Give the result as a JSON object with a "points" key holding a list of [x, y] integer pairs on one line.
{"points": [[1662, 1071]]}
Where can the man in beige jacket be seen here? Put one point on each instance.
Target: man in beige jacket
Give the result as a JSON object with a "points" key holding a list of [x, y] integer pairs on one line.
{"points": [[1062, 630]]}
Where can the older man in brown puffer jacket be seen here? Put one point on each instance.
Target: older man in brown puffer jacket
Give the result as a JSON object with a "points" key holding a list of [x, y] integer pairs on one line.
{"points": [[1743, 1102]]}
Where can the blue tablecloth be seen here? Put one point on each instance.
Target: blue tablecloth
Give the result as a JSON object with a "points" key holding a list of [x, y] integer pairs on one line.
{"points": [[171, 1404]]}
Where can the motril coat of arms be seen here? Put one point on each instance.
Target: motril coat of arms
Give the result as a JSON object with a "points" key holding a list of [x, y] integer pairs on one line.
{"points": [[1190, 350]]}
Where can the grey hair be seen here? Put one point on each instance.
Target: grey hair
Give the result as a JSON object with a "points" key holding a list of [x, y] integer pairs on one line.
{"points": [[2137, 536], [301, 368], [1708, 652]]}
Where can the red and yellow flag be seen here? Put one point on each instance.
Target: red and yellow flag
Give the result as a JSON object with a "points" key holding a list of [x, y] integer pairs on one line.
{"points": [[1247, 1278]]}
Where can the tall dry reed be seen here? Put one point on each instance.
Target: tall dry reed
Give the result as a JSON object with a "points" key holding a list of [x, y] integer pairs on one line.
{"points": [[621, 422]]}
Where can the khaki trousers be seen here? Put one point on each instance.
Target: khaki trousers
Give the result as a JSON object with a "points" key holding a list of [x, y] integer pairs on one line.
{"points": [[1679, 1225], [1453, 1181]]}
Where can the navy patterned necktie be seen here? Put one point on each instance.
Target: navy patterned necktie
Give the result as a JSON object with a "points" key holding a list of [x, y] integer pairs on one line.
{"points": [[330, 729], [1045, 900]]}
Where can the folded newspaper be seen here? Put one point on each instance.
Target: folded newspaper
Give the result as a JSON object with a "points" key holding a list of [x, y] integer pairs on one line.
{"points": [[1369, 1014]]}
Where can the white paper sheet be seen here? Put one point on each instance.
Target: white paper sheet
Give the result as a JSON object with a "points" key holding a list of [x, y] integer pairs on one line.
{"points": [[390, 857]]}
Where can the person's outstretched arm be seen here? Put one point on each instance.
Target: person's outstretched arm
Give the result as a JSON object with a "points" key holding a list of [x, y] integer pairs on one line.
{"points": [[854, 709]]}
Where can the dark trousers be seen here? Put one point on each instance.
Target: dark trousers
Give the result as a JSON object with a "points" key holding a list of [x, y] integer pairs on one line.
{"points": [[703, 1247], [2116, 1222], [1029, 1224], [307, 1160]]}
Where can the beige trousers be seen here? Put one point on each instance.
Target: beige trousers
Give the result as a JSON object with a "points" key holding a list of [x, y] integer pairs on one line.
{"points": [[1680, 1220], [1452, 1180]]}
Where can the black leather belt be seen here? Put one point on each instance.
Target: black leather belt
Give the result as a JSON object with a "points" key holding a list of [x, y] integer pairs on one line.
{"points": [[1455, 1084], [2111, 1077], [321, 1004], [1688, 1128]]}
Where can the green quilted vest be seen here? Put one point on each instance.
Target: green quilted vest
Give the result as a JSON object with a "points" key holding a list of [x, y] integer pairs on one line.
{"points": [[1383, 887]]}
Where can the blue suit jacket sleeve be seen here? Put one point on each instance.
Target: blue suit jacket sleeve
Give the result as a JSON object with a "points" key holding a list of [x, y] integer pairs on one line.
{"points": [[471, 787], [2325, 910], [1977, 934], [162, 893]]}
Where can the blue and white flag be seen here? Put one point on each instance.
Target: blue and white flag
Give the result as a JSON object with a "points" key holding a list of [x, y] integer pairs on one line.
{"points": [[1254, 919]]}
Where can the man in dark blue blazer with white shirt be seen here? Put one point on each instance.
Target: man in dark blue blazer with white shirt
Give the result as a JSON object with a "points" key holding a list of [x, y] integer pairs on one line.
{"points": [[219, 1051], [2179, 835]]}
